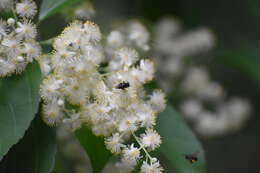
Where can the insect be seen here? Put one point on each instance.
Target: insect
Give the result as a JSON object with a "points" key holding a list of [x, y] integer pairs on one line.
{"points": [[192, 158], [123, 85]]}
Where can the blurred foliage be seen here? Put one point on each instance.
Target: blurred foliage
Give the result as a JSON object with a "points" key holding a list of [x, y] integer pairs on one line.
{"points": [[35, 153], [50, 7], [18, 105], [178, 140], [95, 148], [246, 60]]}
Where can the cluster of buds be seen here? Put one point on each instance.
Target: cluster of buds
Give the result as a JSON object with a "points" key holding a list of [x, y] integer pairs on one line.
{"points": [[202, 100], [79, 89], [18, 46]]}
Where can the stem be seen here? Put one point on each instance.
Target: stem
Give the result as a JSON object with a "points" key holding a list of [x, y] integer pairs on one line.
{"points": [[141, 146], [14, 14], [47, 42]]}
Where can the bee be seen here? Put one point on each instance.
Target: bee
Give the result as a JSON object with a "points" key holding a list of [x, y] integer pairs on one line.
{"points": [[192, 158], [123, 85]]}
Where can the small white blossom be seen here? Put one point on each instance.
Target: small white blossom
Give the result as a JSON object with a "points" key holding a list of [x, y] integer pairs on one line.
{"points": [[114, 143], [151, 139], [153, 167], [26, 8], [6, 67], [126, 57], [92, 31], [52, 113], [191, 108], [26, 29], [129, 123], [115, 39], [131, 154], [157, 100], [138, 34]]}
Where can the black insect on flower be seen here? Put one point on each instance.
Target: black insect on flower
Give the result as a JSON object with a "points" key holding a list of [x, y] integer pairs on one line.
{"points": [[192, 158], [123, 85]]}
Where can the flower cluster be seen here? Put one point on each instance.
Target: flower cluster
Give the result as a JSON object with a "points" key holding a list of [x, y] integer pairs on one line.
{"points": [[18, 46], [130, 34], [80, 89], [225, 116], [202, 100], [172, 46]]}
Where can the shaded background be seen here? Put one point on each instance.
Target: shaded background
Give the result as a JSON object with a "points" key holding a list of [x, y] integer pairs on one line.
{"points": [[236, 24]]}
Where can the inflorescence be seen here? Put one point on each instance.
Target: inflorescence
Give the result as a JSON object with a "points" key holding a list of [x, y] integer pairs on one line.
{"points": [[18, 46], [79, 89]]}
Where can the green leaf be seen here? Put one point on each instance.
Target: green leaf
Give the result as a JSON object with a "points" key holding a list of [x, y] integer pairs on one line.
{"points": [[50, 7], [246, 60], [35, 153], [95, 148], [178, 140], [19, 100]]}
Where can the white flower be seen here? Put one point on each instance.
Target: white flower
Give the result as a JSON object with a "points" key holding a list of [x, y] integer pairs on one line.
{"points": [[26, 8], [6, 67], [52, 113], [128, 124], [50, 86], [92, 32], [45, 64], [151, 139], [196, 80], [131, 154], [153, 167], [32, 50], [191, 108], [126, 56], [145, 72], [12, 45], [17, 39], [157, 100], [138, 34], [115, 39], [146, 115], [113, 143], [26, 29]]}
